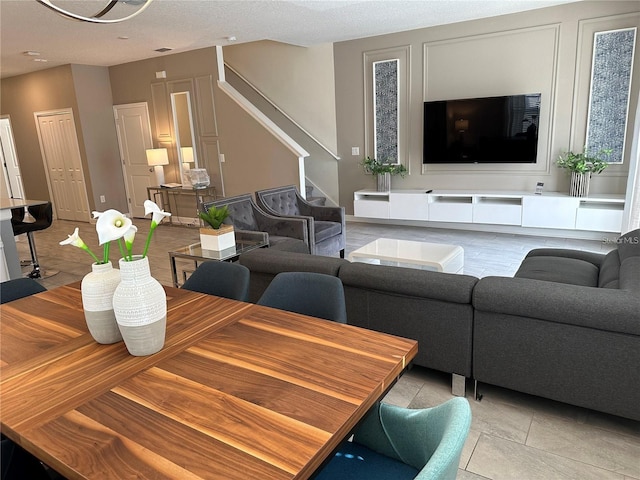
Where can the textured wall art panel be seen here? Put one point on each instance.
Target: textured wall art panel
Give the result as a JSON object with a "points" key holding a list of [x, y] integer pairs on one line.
{"points": [[385, 76], [609, 98]]}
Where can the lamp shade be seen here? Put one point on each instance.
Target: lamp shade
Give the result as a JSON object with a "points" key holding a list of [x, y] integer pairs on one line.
{"points": [[187, 154], [157, 156]]}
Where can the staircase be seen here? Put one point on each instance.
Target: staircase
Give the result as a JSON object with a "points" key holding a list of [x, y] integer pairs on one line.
{"points": [[320, 201]]}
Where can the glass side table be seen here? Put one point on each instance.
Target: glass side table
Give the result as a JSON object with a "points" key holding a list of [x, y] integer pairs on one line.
{"points": [[245, 241]]}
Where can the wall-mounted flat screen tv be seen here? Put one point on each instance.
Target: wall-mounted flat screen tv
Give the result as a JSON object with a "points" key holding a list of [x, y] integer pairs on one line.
{"points": [[482, 130]]}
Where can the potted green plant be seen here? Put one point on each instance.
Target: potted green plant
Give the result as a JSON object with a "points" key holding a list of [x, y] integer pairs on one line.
{"points": [[219, 236], [582, 166], [383, 170]]}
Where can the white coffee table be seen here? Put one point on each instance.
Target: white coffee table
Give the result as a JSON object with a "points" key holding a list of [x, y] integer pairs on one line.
{"points": [[409, 253]]}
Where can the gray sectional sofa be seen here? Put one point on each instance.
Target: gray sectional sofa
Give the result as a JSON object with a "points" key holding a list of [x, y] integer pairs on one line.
{"points": [[566, 327]]}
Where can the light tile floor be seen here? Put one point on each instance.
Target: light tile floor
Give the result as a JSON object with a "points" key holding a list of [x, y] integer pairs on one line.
{"points": [[513, 436]]}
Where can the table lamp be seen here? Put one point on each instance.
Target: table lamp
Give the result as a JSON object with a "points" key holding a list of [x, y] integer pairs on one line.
{"points": [[156, 158]]}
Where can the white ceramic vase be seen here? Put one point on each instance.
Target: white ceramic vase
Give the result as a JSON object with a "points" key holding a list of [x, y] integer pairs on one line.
{"points": [[140, 305], [97, 301]]}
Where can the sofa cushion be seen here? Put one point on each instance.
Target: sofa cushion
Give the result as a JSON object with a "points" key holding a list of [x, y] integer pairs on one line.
{"points": [[324, 230], [273, 261], [610, 271], [559, 270]]}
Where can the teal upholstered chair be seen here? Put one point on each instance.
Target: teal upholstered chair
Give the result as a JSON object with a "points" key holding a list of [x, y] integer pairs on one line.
{"points": [[309, 293], [394, 443]]}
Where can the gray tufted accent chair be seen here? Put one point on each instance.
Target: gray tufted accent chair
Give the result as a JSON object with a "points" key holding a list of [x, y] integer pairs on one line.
{"points": [[327, 226], [245, 215]]}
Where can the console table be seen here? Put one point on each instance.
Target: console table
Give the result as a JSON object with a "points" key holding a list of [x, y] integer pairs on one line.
{"points": [[600, 213], [167, 197]]}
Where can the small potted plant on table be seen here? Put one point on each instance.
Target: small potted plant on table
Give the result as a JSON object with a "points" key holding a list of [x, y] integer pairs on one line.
{"points": [[582, 166], [219, 236], [383, 171]]}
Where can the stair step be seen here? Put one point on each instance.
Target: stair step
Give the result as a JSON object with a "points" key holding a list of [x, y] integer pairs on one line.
{"points": [[317, 201]]}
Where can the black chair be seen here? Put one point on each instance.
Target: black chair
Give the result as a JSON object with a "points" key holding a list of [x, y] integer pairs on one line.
{"points": [[43, 215], [223, 279], [18, 288], [327, 225], [244, 215], [18, 464], [314, 294]]}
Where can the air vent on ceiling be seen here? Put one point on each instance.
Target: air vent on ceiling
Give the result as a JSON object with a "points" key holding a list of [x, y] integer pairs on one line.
{"points": [[163, 49]]}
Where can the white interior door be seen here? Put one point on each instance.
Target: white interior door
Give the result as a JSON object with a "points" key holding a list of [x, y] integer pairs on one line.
{"points": [[61, 154], [12, 185], [134, 138]]}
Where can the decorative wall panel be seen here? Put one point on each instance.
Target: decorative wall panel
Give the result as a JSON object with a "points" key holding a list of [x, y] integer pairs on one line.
{"points": [[609, 96], [385, 75]]}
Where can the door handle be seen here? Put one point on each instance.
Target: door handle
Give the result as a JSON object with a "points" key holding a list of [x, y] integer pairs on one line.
{"points": [[151, 169]]}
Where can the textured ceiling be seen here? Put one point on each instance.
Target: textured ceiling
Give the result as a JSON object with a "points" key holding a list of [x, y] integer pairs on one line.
{"points": [[190, 24]]}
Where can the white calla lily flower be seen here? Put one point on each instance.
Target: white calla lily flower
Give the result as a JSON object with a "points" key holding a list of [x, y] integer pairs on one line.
{"points": [[129, 236], [75, 240], [158, 214], [112, 225]]}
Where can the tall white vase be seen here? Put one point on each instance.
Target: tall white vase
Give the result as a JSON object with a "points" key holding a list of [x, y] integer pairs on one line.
{"points": [[140, 305], [97, 289]]}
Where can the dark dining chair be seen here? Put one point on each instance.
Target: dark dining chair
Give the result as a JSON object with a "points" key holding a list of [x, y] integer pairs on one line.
{"points": [[314, 294], [223, 279], [43, 215], [19, 287], [18, 464], [395, 443]]}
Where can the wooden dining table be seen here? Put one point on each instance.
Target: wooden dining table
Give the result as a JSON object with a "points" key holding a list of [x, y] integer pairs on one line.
{"points": [[239, 391]]}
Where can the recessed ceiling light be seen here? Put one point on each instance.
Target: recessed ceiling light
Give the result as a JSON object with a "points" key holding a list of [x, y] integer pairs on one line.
{"points": [[40, 60], [31, 53], [123, 37], [163, 49], [231, 38]]}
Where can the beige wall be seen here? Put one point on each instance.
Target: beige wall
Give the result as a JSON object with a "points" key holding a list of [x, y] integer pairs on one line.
{"points": [[299, 80], [253, 159], [95, 109], [86, 91], [24, 95], [546, 50]]}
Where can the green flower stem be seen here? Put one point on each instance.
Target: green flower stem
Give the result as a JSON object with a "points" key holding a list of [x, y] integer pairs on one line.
{"points": [[105, 252], [86, 249], [148, 242], [123, 251]]}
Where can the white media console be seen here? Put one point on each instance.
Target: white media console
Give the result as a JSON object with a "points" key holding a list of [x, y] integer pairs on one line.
{"points": [[596, 213]]}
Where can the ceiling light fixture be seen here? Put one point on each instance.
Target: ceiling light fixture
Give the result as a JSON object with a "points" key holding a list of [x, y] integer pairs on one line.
{"points": [[97, 18]]}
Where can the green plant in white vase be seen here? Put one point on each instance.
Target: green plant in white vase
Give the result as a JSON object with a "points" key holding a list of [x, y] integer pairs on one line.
{"points": [[383, 171], [582, 166]]}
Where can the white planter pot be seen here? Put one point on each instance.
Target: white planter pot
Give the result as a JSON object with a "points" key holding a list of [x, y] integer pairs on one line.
{"points": [[97, 289], [140, 305], [221, 239], [579, 184]]}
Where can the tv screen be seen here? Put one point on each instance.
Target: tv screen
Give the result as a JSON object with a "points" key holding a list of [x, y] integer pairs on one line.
{"points": [[482, 130]]}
